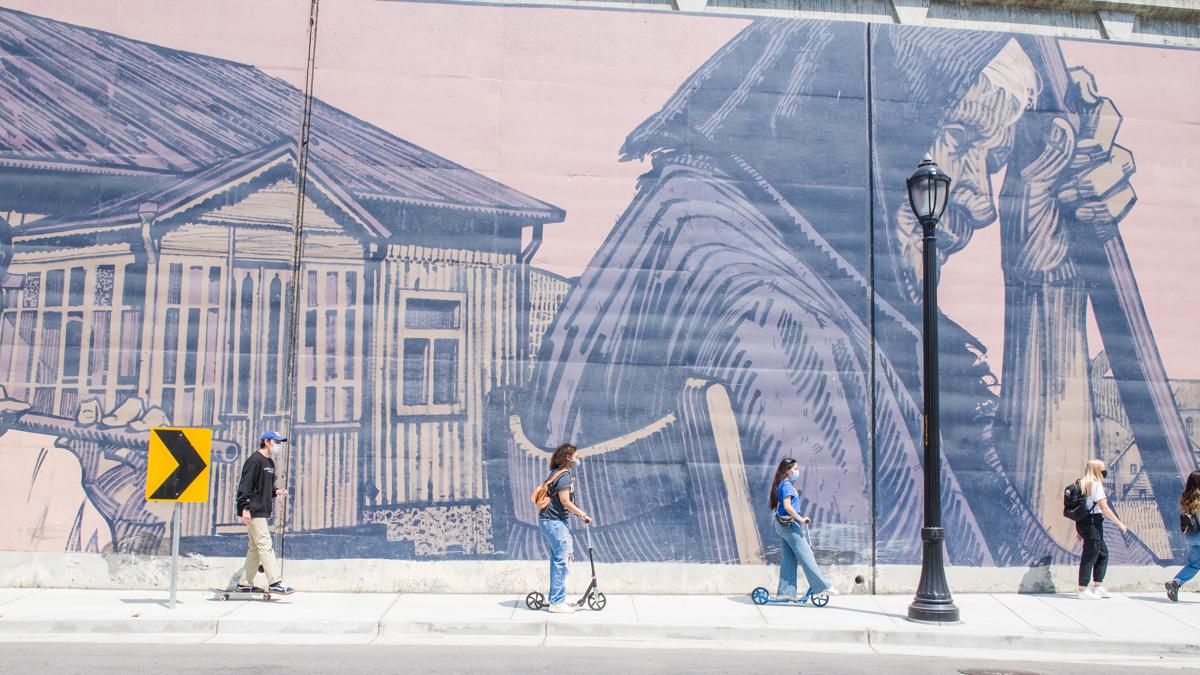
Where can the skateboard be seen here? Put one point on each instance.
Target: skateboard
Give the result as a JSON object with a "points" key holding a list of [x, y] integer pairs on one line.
{"points": [[224, 594]]}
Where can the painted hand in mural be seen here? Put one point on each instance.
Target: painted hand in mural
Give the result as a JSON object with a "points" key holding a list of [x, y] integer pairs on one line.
{"points": [[1098, 186], [1035, 242]]}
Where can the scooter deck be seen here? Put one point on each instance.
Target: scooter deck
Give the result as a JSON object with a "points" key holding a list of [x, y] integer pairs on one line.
{"points": [[224, 594]]}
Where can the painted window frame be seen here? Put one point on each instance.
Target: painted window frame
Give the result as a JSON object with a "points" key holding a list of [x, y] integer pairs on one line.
{"points": [[36, 368], [458, 334], [330, 353]]}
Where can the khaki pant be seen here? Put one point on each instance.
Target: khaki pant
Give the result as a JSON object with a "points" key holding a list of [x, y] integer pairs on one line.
{"points": [[260, 552]]}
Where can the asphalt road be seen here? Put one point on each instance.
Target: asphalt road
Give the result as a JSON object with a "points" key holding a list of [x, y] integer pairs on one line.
{"points": [[172, 659]]}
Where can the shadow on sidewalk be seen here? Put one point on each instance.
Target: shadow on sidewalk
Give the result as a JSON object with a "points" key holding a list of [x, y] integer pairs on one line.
{"points": [[148, 601], [1158, 600], [745, 600]]}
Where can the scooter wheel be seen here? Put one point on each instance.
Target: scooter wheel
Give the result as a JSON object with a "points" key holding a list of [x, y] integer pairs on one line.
{"points": [[820, 600], [597, 602], [535, 600], [760, 596]]}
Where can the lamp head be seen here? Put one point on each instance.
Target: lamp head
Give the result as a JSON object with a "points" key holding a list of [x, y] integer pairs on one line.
{"points": [[928, 192]]}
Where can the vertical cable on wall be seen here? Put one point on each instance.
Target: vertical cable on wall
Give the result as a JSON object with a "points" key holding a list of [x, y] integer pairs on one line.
{"points": [[871, 342], [291, 377]]}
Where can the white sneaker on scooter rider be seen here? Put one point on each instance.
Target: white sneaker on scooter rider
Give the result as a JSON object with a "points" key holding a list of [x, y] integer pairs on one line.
{"points": [[562, 608], [831, 591]]}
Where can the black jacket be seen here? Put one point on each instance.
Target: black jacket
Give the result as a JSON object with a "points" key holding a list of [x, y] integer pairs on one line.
{"points": [[256, 489]]}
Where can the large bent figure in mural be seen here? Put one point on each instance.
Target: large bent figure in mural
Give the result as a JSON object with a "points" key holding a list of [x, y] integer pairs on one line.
{"points": [[745, 259]]}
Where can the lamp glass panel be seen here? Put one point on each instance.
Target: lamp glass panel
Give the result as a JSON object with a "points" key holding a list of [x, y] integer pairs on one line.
{"points": [[919, 196], [941, 193]]}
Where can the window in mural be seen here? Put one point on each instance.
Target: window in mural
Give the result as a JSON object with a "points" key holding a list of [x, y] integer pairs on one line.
{"points": [[190, 345], [57, 326], [432, 353], [330, 339], [257, 341], [274, 335], [243, 353]]}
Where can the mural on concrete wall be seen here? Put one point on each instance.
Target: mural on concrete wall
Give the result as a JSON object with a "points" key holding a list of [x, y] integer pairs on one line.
{"points": [[174, 258]]}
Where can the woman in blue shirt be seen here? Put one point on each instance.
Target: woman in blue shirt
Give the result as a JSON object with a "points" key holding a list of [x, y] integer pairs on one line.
{"points": [[789, 525]]}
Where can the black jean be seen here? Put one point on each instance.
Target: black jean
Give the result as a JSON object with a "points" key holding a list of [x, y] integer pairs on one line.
{"points": [[1094, 563]]}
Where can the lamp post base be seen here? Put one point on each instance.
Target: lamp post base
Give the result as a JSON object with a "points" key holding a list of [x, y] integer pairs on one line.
{"points": [[933, 602], [923, 611]]}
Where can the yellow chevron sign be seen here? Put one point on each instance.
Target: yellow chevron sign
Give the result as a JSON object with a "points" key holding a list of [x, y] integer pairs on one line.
{"points": [[177, 464]]}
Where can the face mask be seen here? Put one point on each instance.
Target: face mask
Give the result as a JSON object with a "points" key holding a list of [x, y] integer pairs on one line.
{"points": [[578, 462], [1104, 473], [793, 474]]}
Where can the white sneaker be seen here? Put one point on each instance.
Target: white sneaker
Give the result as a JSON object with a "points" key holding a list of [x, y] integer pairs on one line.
{"points": [[830, 591], [1088, 595], [562, 608], [1101, 592]]}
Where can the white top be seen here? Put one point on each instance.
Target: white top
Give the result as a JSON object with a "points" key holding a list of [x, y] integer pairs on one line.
{"points": [[1096, 496]]}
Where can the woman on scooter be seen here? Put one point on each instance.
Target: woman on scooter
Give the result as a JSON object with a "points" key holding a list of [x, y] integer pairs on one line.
{"points": [[552, 521], [790, 526]]}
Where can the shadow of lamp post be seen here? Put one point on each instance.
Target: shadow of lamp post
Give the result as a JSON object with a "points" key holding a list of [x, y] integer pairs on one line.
{"points": [[928, 192]]}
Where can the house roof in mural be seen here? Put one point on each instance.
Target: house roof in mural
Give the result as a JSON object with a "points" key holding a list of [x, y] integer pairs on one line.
{"points": [[174, 199], [82, 100]]}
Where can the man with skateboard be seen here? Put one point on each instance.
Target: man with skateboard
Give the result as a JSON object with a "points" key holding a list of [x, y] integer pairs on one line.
{"points": [[255, 501]]}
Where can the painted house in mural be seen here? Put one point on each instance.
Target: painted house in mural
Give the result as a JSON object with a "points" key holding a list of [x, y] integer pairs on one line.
{"points": [[153, 195]]}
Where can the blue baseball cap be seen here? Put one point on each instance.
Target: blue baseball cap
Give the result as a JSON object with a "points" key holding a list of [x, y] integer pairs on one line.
{"points": [[272, 436]]}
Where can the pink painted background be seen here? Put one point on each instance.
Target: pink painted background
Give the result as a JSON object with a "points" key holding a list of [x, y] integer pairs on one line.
{"points": [[541, 99]]}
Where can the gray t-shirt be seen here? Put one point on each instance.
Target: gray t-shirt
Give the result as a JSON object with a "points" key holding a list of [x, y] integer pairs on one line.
{"points": [[555, 510]]}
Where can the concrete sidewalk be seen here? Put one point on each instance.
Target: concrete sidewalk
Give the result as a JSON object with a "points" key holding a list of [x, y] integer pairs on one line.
{"points": [[1128, 627]]}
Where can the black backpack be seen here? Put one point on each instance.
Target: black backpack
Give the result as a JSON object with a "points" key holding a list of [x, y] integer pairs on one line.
{"points": [[1073, 504], [1189, 522]]}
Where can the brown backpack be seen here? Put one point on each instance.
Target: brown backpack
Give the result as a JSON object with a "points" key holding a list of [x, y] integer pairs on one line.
{"points": [[541, 494]]}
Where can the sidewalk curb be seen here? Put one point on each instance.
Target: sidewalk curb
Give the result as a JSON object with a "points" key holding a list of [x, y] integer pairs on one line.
{"points": [[10, 628], [1058, 646], [394, 630], [663, 634]]}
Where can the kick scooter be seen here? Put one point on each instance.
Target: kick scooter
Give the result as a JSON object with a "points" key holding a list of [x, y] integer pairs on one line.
{"points": [[762, 596], [592, 597]]}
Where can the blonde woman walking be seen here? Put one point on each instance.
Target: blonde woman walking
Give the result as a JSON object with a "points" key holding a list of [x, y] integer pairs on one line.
{"points": [[1094, 562]]}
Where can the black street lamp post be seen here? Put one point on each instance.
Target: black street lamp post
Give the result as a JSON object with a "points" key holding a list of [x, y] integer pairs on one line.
{"points": [[928, 192]]}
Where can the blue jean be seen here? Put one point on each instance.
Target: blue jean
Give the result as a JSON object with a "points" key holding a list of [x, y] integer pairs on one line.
{"points": [[1193, 561], [796, 551], [558, 538]]}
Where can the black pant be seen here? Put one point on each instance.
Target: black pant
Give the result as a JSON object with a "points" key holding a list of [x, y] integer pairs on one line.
{"points": [[1094, 563]]}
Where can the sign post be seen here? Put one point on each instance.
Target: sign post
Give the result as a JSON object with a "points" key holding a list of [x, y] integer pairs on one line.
{"points": [[177, 471], [174, 552]]}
